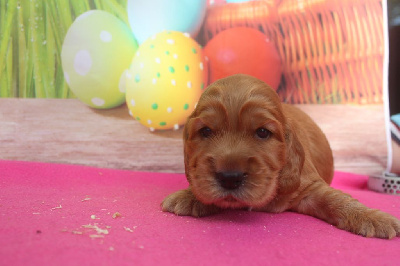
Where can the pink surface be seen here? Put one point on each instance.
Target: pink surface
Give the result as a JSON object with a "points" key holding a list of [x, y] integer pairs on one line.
{"points": [[44, 209]]}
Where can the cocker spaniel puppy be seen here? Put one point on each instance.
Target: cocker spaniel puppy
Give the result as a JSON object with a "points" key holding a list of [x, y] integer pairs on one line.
{"points": [[243, 148]]}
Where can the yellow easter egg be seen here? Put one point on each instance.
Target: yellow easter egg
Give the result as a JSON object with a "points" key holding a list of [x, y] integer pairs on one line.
{"points": [[165, 80]]}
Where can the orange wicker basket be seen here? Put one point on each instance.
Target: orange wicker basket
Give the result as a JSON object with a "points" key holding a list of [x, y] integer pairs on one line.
{"points": [[332, 51]]}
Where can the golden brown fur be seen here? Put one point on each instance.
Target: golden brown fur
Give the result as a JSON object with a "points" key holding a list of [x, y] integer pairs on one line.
{"points": [[244, 149]]}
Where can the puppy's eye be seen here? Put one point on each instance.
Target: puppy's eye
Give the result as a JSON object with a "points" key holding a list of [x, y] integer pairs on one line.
{"points": [[263, 133], [205, 132]]}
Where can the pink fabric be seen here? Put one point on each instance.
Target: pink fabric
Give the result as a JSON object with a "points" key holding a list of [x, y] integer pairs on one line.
{"points": [[46, 210]]}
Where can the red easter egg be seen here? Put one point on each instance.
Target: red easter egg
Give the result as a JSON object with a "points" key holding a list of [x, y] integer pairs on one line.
{"points": [[244, 51]]}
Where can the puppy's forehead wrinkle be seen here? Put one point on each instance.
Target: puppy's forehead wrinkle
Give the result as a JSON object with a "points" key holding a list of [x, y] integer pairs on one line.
{"points": [[272, 106], [260, 107], [227, 93], [212, 109], [240, 97]]}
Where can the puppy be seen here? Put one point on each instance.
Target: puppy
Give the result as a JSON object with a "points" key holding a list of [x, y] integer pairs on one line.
{"points": [[244, 149]]}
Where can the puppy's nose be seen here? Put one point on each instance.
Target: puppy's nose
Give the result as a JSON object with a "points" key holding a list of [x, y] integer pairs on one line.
{"points": [[230, 179]]}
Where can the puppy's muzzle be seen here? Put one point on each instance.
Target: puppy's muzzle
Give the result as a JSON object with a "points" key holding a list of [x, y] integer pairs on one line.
{"points": [[231, 179]]}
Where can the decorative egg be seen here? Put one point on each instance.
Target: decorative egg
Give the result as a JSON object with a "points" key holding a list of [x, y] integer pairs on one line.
{"points": [[147, 18], [166, 78], [97, 49], [237, 1], [215, 2], [244, 51]]}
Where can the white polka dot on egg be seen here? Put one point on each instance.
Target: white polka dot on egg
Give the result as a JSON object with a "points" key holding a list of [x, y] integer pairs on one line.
{"points": [[158, 60], [189, 84], [82, 62], [105, 36], [171, 41], [173, 82], [98, 101], [133, 103], [169, 109], [128, 75]]}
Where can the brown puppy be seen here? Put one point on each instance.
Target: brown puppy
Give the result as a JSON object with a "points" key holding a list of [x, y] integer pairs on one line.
{"points": [[244, 149]]}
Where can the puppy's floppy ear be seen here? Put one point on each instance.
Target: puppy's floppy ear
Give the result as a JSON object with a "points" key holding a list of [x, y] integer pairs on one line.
{"points": [[185, 138], [186, 152], [289, 179]]}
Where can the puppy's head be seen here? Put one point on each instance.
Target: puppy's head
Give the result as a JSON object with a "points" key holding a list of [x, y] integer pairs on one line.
{"points": [[239, 148]]}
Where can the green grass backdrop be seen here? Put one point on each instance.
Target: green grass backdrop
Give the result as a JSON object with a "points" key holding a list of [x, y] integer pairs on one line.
{"points": [[31, 37]]}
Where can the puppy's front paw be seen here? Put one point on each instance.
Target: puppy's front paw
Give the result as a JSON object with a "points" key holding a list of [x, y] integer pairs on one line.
{"points": [[371, 223], [184, 203]]}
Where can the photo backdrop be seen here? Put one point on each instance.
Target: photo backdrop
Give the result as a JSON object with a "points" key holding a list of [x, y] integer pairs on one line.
{"points": [[161, 55], [309, 51]]}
